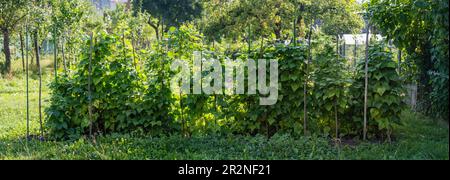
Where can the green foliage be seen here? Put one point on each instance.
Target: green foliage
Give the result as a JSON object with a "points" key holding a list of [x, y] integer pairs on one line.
{"points": [[161, 15], [117, 93], [12, 12], [140, 118], [66, 15], [421, 28], [286, 115], [331, 92], [275, 19], [418, 138], [440, 75], [250, 117], [340, 16], [180, 111], [158, 100], [385, 93], [173, 12], [128, 99]]}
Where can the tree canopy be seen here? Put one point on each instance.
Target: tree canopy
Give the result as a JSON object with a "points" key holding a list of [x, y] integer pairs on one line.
{"points": [[277, 17], [168, 12]]}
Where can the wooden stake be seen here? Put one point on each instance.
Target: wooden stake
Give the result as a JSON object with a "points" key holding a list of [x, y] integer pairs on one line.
{"points": [[89, 85], [28, 95], [336, 118], [55, 55], [134, 51], [399, 57], [343, 49], [305, 109], [366, 82], [249, 40], [354, 54], [63, 55]]}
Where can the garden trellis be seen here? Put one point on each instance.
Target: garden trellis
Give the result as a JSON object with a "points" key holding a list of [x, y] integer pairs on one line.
{"points": [[108, 66]]}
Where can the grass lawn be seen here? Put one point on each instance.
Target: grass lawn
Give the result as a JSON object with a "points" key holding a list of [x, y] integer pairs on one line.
{"points": [[417, 138]]}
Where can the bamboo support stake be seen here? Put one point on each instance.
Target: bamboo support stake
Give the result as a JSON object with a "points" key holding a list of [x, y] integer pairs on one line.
{"points": [[133, 46], [354, 54], [336, 118], [55, 55], [399, 57], [28, 95], [366, 82], [305, 109], [63, 54], [89, 84]]}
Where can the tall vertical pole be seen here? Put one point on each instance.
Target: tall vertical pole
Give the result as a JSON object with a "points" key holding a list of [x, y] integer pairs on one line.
{"points": [[366, 82], [294, 33], [305, 107], [89, 84], [399, 57], [55, 55], [337, 44], [63, 54], [249, 39], [343, 48], [354, 53], [26, 66]]}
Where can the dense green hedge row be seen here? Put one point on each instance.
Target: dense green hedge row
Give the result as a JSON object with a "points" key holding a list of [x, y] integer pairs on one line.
{"points": [[131, 97]]}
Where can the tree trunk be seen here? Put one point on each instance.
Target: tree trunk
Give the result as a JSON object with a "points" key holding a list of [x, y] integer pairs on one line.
{"points": [[155, 27], [294, 33], [7, 51], [425, 87], [277, 31], [249, 41], [21, 50], [299, 24], [300, 20], [28, 96], [128, 5], [36, 48], [63, 55]]}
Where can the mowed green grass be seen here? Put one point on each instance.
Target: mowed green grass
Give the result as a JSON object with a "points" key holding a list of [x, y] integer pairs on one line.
{"points": [[417, 138]]}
